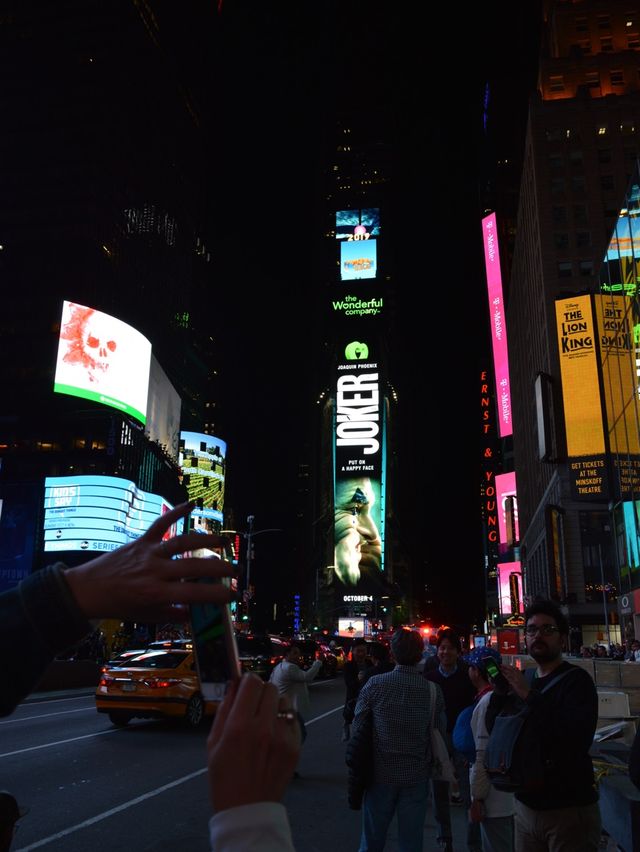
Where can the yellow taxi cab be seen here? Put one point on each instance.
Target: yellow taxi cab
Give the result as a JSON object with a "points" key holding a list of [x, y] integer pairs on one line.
{"points": [[341, 656], [158, 683]]}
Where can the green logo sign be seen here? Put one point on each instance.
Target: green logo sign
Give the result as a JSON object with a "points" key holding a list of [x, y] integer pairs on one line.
{"points": [[355, 351], [352, 306]]}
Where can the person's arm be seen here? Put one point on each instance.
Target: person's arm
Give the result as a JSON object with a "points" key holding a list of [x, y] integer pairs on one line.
{"points": [[252, 750], [295, 673], [569, 709], [53, 608], [634, 760], [479, 780]]}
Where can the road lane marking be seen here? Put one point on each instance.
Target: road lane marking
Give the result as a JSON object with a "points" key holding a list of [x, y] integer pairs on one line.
{"points": [[111, 812], [322, 716], [106, 814], [58, 742], [46, 715]]}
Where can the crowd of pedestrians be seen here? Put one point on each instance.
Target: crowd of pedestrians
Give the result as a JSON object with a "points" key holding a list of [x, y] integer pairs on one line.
{"points": [[255, 741]]}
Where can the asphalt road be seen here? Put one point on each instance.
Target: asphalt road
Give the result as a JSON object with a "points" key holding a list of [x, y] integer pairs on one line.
{"points": [[89, 785]]}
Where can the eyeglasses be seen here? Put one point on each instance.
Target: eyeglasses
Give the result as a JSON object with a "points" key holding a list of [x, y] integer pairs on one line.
{"points": [[544, 629]]}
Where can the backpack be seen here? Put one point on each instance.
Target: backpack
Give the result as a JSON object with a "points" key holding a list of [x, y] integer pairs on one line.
{"points": [[514, 758], [463, 740]]}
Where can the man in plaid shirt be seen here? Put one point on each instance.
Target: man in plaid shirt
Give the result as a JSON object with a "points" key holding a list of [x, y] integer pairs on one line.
{"points": [[400, 708]]}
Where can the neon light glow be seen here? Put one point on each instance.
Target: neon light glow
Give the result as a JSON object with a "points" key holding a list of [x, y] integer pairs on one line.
{"points": [[498, 324]]}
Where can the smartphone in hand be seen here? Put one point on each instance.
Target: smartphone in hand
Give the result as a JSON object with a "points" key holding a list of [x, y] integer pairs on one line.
{"points": [[214, 646], [499, 680]]}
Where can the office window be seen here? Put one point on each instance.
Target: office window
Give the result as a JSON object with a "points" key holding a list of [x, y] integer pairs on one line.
{"points": [[556, 161], [617, 77], [592, 79], [559, 215], [575, 157], [554, 135], [586, 267], [606, 45], [561, 241], [556, 82], [583, 238], [580, 214], [633, 41], [582, 25], [606, 182], [602, 130], [565, 269], [578, 183], [585, 46], [604, 155], [557, 186], [603, 21], [627, 128]]}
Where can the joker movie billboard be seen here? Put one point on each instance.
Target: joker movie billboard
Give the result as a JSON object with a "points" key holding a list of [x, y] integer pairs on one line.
{"points": [[358, 476]]}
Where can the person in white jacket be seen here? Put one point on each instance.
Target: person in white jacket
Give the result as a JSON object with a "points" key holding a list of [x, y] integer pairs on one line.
{"points": [[492, 808], [252, 750], [291, 680]]}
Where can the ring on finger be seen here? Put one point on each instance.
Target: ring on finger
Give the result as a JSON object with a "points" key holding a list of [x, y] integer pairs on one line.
{"points": [[289, 715]]}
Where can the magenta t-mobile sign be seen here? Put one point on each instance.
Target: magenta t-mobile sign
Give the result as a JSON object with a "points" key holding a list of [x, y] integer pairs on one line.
{"points": [[498, 324]]}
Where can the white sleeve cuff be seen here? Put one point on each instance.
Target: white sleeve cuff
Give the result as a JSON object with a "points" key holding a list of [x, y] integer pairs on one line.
{"points": [[261, 827]]}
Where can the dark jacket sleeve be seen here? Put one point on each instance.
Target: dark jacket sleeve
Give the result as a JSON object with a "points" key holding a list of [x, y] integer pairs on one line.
{"points": [[634, 760], [359, 758], [351, 682], [39, 618]]}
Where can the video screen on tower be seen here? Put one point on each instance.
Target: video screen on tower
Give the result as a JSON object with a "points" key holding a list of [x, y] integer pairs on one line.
{"points": [[202, 459], [103, 359], [357, 232]]}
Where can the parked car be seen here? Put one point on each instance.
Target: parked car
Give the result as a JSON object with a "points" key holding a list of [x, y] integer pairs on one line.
{"points": [[259, 654], [155, 684], [312, 650]]}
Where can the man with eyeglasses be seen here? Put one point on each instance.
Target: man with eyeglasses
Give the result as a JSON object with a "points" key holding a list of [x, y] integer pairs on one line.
{"points": [[564, 814]]}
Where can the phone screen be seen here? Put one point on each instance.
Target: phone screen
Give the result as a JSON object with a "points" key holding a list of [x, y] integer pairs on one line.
{"points": [[215, 647], [495, 674]]}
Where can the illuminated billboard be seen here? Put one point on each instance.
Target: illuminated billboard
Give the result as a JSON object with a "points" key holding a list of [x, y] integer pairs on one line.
{"points": [[510, 588], [202, 459], [98, 513], [102, 359], [163, 410], [359, 500], [507, 498], [614, 315], [498, 324], [577, 347], [357, 232], [354, 628]]}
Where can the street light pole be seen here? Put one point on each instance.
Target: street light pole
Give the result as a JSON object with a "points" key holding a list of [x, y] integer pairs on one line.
{"points": [[249, 535]]}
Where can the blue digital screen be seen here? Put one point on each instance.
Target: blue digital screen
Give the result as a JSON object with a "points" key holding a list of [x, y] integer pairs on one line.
{"points": [[98, 513]]}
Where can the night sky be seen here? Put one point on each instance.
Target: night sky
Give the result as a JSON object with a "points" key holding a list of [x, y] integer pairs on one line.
{"points": [[284, 76]]}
